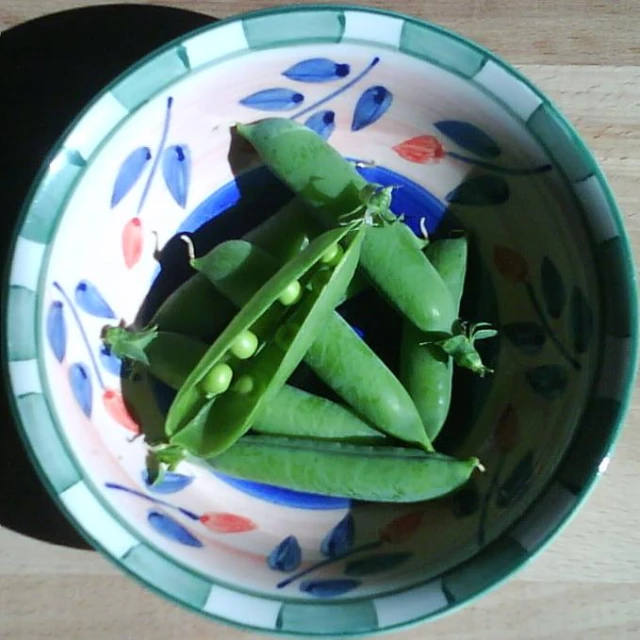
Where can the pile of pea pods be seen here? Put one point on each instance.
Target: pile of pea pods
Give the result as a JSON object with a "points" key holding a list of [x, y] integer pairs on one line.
{"points": [[271, 300]]}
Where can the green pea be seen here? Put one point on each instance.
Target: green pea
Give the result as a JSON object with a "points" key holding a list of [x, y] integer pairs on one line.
{"points": [[359, 472], [245, 345], [217, 380], [285, 335], [291, 294], [332, 256], [233, 414], [337, 355], [332, 187], [244, 385], [426, 370]]}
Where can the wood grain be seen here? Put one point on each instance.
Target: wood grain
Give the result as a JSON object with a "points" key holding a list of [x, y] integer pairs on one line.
{"points": [[586, 585]]}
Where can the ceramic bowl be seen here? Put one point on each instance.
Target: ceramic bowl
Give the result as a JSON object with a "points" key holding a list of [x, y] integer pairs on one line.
{"points": [[474, 145]]}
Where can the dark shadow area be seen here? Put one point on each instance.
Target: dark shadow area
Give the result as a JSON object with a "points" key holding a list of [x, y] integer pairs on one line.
{"points": [[51, 68]]}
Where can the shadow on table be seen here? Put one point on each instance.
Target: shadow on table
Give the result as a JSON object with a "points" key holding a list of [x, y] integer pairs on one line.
{"points": [[50, 68]]}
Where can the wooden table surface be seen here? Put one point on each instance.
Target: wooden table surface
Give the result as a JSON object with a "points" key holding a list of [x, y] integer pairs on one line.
{"points": [[585, 54]]}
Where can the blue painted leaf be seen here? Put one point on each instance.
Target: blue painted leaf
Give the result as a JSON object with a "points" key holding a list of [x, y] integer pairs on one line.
{"points": [[483, 191], [130, 171], [581, 320], [57, 330], [552, 288], [81, 387], [286, 556], [171, 482], [370, 565], [277, 99], [171, 529], [110, 362], [340, 539], [176, 169], [469, 137], [328, 588], [371, 106], [548, 380], [516, 483], [317, 70], [529, 337], [90, 300], [323, 123]]}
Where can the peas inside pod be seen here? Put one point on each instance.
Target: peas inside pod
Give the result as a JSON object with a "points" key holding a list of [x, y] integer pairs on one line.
{"points": [[232, 340]]}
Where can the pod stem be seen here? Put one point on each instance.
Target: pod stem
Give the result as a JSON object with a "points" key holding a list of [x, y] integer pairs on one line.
{"points": [[191, 250], [423, 228], [130, 345], [460, 345]]}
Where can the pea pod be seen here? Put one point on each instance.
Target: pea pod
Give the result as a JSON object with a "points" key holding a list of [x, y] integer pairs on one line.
{"points": [[426, 370], [171, 357], [277, 358], [329, 184], [297, 413], [195, 309], [337, 355], [360, 472], [286, 232]]}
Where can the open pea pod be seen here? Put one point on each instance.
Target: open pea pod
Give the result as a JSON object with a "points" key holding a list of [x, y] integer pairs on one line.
{"points": [[338, 356], [360, 472], [285, 334], [170, 357]]}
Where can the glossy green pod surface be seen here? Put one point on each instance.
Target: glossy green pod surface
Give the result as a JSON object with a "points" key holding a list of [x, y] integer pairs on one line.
{"points": [[360, 472], [276, 360], [329, 184], [337, 355]]}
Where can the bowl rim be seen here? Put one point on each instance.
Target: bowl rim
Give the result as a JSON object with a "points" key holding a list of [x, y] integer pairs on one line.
{"points": [[577, 141]]}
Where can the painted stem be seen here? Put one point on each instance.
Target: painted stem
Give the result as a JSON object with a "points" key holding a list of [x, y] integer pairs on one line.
{"points": [[156, 160], [144, 496], [338, 91], [328, 561], [87, 344], [497, 168], [547, 328]]}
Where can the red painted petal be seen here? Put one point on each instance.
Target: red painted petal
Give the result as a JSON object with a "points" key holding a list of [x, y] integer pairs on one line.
{"points": [[506, 430], [227, 523], [116, 408], [510, 264], [132, 242], [402, 528], [420, 149]]}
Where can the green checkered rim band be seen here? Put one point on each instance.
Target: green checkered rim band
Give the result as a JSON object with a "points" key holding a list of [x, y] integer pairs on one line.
{"points": [[236, 37]]}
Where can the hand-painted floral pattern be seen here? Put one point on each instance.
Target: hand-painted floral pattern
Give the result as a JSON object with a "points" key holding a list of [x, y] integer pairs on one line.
{"points": [[176, 171], [372, 103], [339, 548], [89, 300]]}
